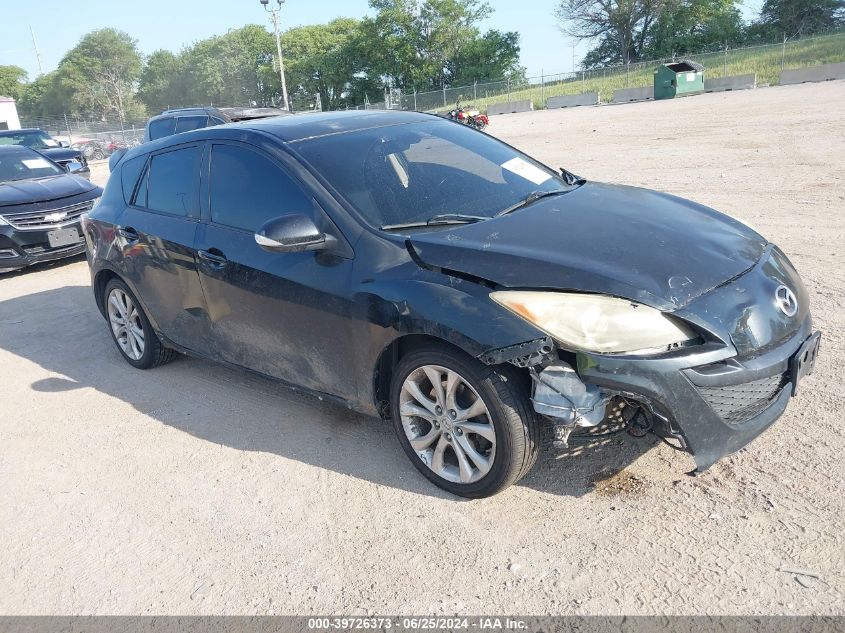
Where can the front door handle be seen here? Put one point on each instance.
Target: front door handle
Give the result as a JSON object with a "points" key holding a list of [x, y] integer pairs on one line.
{"points": [[129, 234], [214, 259]]}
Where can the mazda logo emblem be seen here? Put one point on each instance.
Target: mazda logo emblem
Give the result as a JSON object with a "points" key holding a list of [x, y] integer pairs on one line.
{"points": [[786, 301]]}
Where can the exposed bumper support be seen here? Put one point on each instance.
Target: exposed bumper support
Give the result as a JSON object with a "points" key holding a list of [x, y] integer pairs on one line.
{"points": [[716, 407], [525, 354]]}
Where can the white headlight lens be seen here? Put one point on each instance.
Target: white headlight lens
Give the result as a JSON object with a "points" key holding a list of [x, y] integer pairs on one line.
{"points": [[596, 323], [2, 221]]}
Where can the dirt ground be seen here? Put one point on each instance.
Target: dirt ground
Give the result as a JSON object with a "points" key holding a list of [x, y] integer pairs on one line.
{"points": [[193, 489]]}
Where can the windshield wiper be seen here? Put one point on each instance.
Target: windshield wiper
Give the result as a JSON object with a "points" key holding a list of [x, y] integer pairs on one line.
{"points": [[530, 198], [572, 179], [437, 220]]}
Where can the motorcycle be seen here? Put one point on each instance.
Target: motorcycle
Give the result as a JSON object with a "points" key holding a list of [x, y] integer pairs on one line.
{"points": [[472, 117]]}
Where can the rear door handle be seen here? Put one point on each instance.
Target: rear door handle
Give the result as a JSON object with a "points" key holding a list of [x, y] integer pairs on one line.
{"points": [[129, 234], [217, 260]]}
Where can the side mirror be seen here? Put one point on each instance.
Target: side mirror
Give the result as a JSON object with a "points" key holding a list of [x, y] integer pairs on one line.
{"points": [[293, 233], [64, 144], [73, 166]]}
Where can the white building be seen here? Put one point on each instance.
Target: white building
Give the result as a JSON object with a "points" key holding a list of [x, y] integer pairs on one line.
{"points": [[9, 114]]}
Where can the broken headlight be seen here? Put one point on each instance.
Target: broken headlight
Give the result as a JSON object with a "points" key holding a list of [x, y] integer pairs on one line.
{"points": [[597, 323]]}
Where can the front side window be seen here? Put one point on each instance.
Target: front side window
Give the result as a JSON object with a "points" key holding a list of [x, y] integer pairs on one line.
{"points": [[247, 189], [413, 172], [171, 185]]}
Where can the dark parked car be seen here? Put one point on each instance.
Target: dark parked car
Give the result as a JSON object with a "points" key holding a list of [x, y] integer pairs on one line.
{"points": [[40, 207], [69, 158], [187, 119], [424, 271]]}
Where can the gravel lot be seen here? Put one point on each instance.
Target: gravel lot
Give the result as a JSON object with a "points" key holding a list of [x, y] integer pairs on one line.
{"points": [[193, 489]]}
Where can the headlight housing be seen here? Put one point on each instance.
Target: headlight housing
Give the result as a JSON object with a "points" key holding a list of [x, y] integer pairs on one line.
{"points": [[597, 323]]}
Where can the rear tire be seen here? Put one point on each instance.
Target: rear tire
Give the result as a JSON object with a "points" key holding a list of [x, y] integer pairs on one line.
{"points": [[130, 328], [474, 456]]}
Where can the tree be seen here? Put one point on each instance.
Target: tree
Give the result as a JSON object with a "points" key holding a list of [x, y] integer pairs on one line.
{"points": [[424, 45], [622, 26], [491, 57], [161, 84], [234, 69], [322, 58], [41, 98], [797, 18], [690, 26], [12, 80], [98, 76]]}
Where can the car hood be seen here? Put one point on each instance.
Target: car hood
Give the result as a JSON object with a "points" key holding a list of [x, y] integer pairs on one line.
{"points": [[42, 189], [642, 245], [61, 153]]}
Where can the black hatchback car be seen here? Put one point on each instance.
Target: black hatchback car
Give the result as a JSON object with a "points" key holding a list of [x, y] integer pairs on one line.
{"points": [[40, 208], [424, 271]]}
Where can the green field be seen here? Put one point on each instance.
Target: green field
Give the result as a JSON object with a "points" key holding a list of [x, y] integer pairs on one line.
{"points": [[763, 60]]}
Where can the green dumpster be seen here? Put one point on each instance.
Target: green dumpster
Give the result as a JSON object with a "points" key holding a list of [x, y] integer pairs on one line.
{"points": [[678, 79]]}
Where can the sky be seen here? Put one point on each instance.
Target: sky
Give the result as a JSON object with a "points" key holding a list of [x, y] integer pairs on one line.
{"points": [[173, 24]]}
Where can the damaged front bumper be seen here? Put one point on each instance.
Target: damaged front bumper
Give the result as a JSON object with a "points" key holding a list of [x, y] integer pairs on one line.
{"points": [[712, 404], [715, 408]]}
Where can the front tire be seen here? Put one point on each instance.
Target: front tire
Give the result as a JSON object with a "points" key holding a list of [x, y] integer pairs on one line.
{"points": [[130, 328], [467, 427]]}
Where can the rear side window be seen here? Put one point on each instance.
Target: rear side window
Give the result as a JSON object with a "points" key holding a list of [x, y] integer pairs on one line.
{"points": [[247, 189], [188, 123], [161, 128], [130, 170], [172, 182]]}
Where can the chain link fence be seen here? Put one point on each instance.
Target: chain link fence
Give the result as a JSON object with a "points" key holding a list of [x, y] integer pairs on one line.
{"points": [[766, 61], [72, 129]]}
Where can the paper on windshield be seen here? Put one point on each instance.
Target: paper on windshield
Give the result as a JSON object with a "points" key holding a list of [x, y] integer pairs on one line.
{"points": [[35, 163], [522, 167]]}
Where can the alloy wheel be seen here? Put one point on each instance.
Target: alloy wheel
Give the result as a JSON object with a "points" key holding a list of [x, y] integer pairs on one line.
{"points": [[447, 424], [125, 321]]}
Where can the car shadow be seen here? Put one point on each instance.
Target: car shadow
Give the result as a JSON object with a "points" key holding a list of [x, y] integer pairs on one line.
{"points": [[62, 331], [56, 263]]}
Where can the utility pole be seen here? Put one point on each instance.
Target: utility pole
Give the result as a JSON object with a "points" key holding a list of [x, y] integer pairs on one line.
{"points": [[274, 18], [37, 52]]}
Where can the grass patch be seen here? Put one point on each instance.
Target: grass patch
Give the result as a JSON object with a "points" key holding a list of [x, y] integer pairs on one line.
{"points": [[765, 61]]}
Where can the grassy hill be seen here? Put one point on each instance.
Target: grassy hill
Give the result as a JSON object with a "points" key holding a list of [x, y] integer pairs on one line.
{"points": [[764, 60]]}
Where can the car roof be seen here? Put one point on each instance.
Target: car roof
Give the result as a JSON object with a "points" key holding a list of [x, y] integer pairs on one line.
{"points": [[292, 129], [23, 129], [253, 112], [193, 110], [289, 129]]}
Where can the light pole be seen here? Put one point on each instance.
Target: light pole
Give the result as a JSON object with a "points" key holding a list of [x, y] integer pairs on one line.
{"points": [[274, 18]]}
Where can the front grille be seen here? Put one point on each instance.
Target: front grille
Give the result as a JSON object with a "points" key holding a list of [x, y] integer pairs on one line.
{"points": [[736, 404], [46, 218]]}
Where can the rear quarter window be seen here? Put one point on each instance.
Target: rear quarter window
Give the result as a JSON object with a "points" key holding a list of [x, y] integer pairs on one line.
{"points": [[130, 171]]}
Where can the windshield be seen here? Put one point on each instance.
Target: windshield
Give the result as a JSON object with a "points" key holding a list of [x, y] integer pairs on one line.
{"points": [[22, 165], [411, 173], [35, 140]]}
